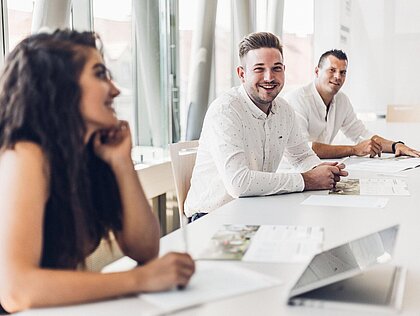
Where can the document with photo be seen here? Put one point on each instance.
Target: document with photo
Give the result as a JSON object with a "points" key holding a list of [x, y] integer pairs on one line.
{"points": [[264, 243], [371, 187]]}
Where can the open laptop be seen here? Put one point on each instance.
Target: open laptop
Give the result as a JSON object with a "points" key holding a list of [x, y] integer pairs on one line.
{"points": [[353, 276]]}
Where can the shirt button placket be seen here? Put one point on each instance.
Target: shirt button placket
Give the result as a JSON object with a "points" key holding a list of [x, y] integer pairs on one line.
{"points": [[266, 146]]}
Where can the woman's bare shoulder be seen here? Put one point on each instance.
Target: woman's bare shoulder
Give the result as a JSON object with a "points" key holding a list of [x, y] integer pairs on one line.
{"points": [[24, 155], [24, 169]]}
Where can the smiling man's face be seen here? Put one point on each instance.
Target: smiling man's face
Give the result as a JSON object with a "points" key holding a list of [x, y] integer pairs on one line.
{"points": [[331, 75], [262, 74]]}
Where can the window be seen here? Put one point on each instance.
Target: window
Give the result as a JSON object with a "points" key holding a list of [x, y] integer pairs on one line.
{"points": [[19, 18], [186, 24], [298, 29], [113, 22], [223, 61]]}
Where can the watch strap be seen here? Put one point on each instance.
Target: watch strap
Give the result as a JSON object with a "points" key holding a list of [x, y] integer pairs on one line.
{"points": [[395, 144]]}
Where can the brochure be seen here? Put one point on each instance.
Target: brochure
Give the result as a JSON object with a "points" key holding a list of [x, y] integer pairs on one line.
{"points": [[264, 243], [371, 187]]}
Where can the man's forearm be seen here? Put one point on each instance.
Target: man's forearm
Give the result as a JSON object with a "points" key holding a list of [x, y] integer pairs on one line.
{"points": [[325, 151], [385, 143]]}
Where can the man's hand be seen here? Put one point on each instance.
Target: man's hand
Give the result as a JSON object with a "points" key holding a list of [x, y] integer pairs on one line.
{"points": [[403, 150], [368, 147], [324, 176]]}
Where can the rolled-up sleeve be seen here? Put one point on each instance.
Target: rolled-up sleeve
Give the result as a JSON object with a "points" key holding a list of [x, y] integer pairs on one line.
{"points": [[352, 127], [298, 152]]}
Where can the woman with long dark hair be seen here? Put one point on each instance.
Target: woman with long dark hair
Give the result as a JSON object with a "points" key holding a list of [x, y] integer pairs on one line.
{"points": [[67, 181]]}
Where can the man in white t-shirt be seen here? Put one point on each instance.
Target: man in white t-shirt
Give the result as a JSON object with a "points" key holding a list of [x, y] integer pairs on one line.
{"points": [[322, 110], [247, 131]]}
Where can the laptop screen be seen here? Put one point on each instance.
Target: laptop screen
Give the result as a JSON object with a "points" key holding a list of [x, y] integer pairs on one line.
{"points": [[347, 260]]}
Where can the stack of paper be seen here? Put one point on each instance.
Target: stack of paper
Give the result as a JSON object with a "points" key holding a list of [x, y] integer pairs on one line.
{"points": [[385, 164]]}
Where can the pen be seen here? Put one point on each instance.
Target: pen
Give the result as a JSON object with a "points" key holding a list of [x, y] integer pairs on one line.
{"points": [[184, 232], [342, 160], [185, 240]]}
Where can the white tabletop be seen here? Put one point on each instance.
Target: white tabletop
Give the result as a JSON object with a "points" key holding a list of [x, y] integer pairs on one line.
{"points": [[341, 224]]}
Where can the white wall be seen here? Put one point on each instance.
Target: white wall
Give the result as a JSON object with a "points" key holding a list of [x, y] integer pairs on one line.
{"points": [[382, 45]]}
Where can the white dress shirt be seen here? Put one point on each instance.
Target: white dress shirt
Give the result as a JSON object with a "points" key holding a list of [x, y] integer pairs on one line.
{"points": [[240, 149], [317, 125]]}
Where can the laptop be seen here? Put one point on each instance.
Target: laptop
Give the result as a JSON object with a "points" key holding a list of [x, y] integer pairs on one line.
{"points": [[353, 276]]}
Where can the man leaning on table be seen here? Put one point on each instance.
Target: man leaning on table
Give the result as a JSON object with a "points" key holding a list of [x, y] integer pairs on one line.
{"points": [[245, 134], [322, 110]]}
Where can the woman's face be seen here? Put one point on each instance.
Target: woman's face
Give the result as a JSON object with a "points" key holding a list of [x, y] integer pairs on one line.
{"points": [[98, 93]]}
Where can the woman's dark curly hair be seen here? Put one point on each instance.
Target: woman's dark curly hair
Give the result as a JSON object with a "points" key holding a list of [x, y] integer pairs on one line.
{"points": [[40, 102]]}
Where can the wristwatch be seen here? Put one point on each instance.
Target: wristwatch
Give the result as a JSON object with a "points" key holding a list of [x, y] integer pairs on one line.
{"points": [[395, 144]]}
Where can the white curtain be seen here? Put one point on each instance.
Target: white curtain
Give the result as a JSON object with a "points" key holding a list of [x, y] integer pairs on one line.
{"points": [[51, 14]]}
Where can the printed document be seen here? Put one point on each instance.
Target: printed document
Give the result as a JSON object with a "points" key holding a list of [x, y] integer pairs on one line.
{"points": [[371, 187], [346, 201], [389, 164], [211, 281], [264, 243]]}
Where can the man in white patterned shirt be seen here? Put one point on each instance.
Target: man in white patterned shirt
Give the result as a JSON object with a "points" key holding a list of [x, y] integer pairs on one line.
{"points": [[322, 110], [245, 133]]}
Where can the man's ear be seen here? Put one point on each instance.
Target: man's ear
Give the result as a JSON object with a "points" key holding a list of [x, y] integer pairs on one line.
{"points": [[241, 73], [316, 71]]}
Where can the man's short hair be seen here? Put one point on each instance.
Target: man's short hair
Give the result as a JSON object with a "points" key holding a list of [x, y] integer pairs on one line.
{"points": [[259, 40], [337, 53]]}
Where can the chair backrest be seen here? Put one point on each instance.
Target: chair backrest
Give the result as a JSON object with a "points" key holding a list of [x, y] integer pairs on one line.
{"points": [[183, 156], [403, 113], [106, 253]]}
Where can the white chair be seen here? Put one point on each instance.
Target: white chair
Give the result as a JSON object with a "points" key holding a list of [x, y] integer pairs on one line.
{"points": [[403, 113], [183, 156], [104, 254]]}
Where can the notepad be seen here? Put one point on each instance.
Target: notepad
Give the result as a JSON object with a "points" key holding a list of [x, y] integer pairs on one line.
{"points": [[211, 281]]}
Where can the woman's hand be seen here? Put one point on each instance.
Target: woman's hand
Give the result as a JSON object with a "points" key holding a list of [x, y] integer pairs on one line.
{"points": [[161, 274], [114, 145]]}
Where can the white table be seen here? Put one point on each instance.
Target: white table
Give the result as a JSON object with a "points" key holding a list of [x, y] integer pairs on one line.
{"points": [[341, 224]]}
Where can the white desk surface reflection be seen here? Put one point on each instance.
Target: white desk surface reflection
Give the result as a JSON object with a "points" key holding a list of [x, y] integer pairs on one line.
{"points": [[341, 224]]}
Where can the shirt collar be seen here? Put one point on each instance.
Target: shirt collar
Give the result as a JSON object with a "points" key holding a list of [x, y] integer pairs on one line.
{"points": [[319, 102], [255, 111]]}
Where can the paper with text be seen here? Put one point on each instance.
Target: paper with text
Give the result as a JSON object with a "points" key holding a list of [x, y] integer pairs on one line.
{"points": [[279, 243], [385, 164], [381, 186], [346, 201], [211, 281], [264, 243]]}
